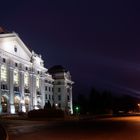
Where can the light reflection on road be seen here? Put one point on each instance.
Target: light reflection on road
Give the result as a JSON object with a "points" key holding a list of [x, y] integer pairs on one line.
{"points": [[116, 128]]}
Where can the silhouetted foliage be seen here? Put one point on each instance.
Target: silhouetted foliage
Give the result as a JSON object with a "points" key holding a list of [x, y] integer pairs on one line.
{"points": [[125, 104], [47, 105], [82, 102], [105, 103], [46, 113]]}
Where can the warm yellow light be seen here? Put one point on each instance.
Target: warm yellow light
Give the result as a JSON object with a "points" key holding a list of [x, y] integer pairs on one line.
{"points": [[3, 73], [26, 79], [16, 80]]}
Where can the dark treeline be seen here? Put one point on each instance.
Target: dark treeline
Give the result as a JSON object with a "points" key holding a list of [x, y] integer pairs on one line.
{"points": [[106, 103]]}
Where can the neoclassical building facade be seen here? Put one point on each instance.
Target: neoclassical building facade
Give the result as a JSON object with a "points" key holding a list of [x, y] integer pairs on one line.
{"points": [[25, 84]]}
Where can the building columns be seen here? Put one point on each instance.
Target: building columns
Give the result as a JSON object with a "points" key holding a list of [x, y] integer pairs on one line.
{"points": [[12, 106], [42, 86], [71, 107], [33, 98], [22, 102]]}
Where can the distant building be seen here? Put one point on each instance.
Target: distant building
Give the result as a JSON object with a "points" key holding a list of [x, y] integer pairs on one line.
{"points": [[25, 83]]}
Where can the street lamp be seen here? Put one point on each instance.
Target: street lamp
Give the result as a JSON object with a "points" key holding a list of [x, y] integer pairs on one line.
{"points": [[77, 110]]}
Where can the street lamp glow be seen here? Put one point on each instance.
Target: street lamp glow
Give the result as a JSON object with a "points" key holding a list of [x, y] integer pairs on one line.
{"points": [[77, 108]]}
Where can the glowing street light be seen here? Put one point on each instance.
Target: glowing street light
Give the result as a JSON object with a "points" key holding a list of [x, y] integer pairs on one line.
{"points": [[77, 110]]}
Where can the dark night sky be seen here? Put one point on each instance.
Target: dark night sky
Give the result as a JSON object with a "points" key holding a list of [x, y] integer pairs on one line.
{"points": [[98, 41]]}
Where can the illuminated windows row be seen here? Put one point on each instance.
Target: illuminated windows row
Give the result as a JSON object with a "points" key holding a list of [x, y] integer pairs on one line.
{"points": [[15, 76]]}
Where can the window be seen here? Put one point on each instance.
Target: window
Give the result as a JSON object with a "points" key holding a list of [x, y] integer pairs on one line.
{"points": [[27, 100], [38, 93], [4, 86], [26, 90], [26, 68], [16, 64], [15, 49], [49, 89], [26, 79], [59, 97], [46, 88], [59, 89], [16, 88], [3, 60], [16, 78], [49, 96], [46, 97], [68, 98], [3, 73]]}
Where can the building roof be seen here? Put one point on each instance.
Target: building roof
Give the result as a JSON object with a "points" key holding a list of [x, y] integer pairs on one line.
{"points": [[57, 69]]}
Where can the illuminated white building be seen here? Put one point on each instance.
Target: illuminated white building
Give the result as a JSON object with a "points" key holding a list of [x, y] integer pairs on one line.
{"points": [[25, 83]]}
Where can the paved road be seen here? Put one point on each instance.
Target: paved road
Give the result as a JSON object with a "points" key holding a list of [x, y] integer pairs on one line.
{"points": [[119, 128]]}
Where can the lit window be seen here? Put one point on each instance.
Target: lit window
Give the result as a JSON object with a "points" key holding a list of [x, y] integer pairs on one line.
{"points": [[17, 100], [16, 80], [26, 79], [27, 100], [3, 73], [37, 82]]}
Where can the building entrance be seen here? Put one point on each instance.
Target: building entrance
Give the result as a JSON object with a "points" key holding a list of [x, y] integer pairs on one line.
{"points": [[4, 103], [17, 103]]}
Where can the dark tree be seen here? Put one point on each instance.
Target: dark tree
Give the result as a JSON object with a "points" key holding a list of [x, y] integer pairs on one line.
{"points": [[47, 105]]}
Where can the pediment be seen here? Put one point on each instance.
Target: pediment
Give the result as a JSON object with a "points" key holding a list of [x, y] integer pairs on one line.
{"points": [[12, 44]]}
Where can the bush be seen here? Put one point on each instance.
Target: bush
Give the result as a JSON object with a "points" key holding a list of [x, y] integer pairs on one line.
{"points": [[46, 113]]}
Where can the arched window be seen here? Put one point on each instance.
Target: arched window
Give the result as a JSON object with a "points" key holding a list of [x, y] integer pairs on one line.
{"points": [[27, 100], [4, 104], [17, 102]]}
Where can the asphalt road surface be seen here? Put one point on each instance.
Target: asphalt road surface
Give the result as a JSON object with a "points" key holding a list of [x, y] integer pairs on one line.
{"points": [[117, 128]]}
